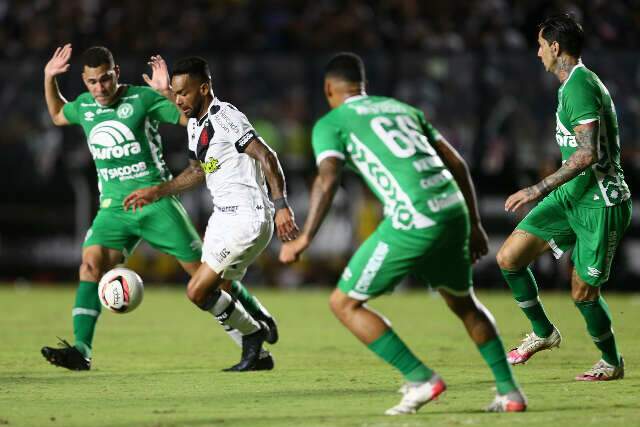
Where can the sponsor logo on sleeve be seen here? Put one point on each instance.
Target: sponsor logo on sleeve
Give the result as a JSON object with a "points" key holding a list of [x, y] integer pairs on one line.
{"points": [[244, 140]]}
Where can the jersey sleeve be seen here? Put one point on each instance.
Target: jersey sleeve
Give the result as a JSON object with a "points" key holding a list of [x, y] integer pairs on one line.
{"points": [[326, 141], [70, 112], [582, 103], [161, 109], [430, 132], [241, 131]]}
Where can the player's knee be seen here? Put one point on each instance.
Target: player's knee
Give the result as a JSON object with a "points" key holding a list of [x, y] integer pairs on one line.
{"points": [[204, 298], [90, 270], [507, 259], [341, 305]]}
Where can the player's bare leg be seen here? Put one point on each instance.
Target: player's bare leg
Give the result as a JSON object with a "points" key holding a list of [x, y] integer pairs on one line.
{"points": [[204, 291], [481, 328], [95, 261], [373, 330], [251, 305], [517, 252], [596, 314]]}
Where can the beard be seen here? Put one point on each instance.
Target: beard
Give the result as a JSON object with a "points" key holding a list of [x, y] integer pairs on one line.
{"points": [[197, 108]]}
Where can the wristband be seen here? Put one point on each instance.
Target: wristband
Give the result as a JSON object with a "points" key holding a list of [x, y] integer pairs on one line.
{"points": [[280, 203]]}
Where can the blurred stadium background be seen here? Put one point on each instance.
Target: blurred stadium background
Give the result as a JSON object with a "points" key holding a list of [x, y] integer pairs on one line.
{"points": [[471, 65]]}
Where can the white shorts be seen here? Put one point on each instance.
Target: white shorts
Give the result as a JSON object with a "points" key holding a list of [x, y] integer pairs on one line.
{"points": [[234, 238]]}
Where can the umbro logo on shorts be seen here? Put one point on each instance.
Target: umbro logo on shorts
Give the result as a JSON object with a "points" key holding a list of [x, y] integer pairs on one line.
{"points": [[593, 272]]}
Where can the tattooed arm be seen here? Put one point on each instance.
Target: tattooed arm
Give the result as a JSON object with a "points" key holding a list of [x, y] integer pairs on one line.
{"points": [[585, 155], [192, 176]]}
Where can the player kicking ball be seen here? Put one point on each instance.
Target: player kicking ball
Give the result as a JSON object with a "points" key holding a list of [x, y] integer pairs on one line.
{"points": [[431, 228], [121, 125], [585, 206], [236, 164]]}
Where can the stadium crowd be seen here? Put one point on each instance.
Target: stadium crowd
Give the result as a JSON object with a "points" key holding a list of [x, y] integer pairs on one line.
{"points": [[456, 26], [470, 65]]}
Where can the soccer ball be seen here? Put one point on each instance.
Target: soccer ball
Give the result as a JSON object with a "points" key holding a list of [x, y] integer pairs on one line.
{"points": [[121, 290]]}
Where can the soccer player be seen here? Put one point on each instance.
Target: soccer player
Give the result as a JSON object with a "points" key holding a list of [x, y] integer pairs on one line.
{"points": [[585, 204], [431, 228], [236, 164], [121, 125]]}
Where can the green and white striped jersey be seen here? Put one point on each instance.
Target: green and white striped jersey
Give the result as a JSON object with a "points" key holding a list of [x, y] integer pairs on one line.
{"points": [[582, 98], [388, 143], [123, 139]]}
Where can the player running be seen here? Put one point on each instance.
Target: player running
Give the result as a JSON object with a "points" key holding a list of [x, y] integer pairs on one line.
{"points": [[121, 125], [236, 164], [428, 202], [586, 204]]}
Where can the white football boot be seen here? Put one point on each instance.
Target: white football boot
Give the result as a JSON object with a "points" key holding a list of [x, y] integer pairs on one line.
{"points": [[416, 395], [514, 401], [532, 344], [603, 371]]}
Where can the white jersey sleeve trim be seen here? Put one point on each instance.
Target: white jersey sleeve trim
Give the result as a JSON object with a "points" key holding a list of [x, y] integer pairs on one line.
{"points": [[585, 121], [327, 154]]}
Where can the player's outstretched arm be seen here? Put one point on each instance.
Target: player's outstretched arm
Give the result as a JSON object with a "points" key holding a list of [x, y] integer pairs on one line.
{"points": [[161, 82], [479, 242], [58, 64], [585, 155], [286, 228], [322, 192], [189, 178]]}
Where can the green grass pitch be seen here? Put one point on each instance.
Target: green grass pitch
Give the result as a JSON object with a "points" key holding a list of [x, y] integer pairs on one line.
{"points": [[160, 366]]}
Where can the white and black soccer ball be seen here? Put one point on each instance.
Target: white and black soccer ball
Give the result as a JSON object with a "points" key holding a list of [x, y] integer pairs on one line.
{"points": [[121, 290]]}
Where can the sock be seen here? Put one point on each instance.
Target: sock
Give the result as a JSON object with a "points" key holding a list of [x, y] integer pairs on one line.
{"points": [[493, 354], [250, 303], [525, 291], [233, 314], [596, 314], [85, 315], [393, 351]]}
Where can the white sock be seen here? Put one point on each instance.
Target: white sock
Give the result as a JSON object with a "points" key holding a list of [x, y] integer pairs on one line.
{"points": [[233, 314]]}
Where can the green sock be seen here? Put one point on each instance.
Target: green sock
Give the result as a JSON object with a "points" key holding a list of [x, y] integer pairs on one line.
{"points": [[493, 353], [85, 315], [596, 314], [525, 291], [393, 351], [250, 303]]}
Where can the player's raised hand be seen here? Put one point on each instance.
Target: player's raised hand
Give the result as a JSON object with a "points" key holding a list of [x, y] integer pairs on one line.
{"points": [[59, 62], [286, 228], [521, 198], [159, 79], [291, 251], [478, 243], [139, 198]]}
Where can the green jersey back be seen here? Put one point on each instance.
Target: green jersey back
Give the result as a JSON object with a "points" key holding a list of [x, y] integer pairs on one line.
{"points": [[582, 98], [389, 144], [124, 140]]}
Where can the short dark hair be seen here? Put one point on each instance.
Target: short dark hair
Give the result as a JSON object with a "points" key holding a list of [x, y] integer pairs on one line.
{"points": [[565, 30], [346, 66], [96, 56], [194, 66]]}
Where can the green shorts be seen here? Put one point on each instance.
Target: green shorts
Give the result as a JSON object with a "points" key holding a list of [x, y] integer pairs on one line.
{"points": [[163, 224], [594, 234], [438, 256]]}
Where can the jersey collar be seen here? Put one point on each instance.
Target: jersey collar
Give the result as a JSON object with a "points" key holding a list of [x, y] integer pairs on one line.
{"points": [[575, 67], [212, 109], [355, 98]]}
